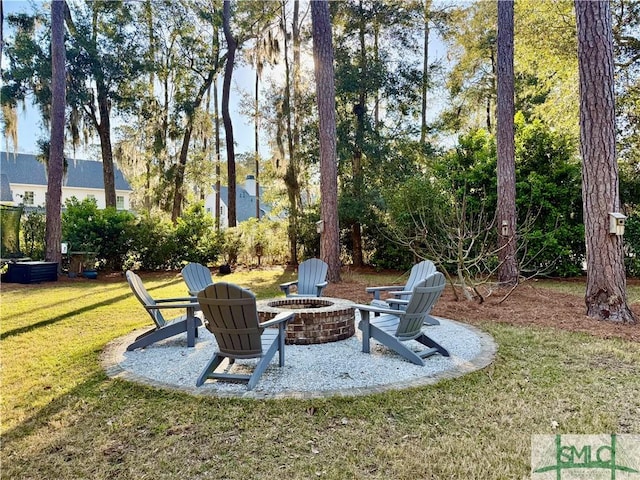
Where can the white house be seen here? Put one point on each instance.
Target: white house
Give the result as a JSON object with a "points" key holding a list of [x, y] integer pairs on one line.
{"points": [[245, 202], [27, 180]]}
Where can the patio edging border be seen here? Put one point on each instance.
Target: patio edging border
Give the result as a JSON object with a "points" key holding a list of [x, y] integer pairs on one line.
{"points": [[113, 351]]}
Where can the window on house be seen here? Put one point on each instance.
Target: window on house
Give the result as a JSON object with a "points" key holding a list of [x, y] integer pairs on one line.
{"points": [[27, 198], [119, 202]]}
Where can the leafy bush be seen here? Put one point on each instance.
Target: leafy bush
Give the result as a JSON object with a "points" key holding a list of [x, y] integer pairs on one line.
{"points": [[548, 192], [149, 242], [80, 224], [33, 233], [549, 200], [152, 245], [268, 237], [107, 232], [195, 238], [308, 236], [159, 245], [632, 245], [386, 253]]}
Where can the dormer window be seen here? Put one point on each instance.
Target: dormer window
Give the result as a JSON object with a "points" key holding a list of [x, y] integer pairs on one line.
{"points": [[28, 198]]}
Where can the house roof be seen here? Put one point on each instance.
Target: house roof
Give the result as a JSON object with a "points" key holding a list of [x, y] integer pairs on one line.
{"points": [[5, 189], [26, 169], [245, 203]]}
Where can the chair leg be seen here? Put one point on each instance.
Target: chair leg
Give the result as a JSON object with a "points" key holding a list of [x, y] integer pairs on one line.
{"points": [[365, 327], [191, 328], [423, 339], [282, 333], [262, 365], [430, 320], [211, 366], [154, 336], [396, 345]]}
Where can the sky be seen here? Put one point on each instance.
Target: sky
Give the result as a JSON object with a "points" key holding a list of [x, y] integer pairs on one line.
{"points": [[31, 128]]}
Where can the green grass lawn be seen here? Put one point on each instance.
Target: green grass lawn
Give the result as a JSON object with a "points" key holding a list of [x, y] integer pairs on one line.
{"points": [[63, 418]]}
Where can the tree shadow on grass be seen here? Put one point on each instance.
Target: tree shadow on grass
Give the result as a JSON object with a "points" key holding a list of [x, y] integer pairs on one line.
{"points": [[78, 311]]}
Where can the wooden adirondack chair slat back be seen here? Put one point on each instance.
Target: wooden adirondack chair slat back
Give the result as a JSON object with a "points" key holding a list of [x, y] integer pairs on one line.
{"points": [[310, 273], [419, 272], [196, 276], [422, 301], [143, 296], [232, 317]]}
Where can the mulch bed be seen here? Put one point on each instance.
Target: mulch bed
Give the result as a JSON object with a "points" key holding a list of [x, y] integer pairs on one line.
{"points": [[529, 304]]}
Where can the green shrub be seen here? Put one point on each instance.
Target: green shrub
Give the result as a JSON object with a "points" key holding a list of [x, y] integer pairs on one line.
{"points": [[231, 244], [152, 245], [308, 236], [107, 232], [267, 237], [33, 233], [195, 238], [632, 245], [80, 224]]}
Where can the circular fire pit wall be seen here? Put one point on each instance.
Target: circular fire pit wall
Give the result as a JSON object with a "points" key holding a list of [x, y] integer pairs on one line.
{"points": [[318, 320]]}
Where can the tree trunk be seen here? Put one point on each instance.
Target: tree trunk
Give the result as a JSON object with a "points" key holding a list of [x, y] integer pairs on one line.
{"points": [[232, 45], [55, 166], [101, 119], [291, 177], [178, 194], [1, 32], [425, 72], [606, 282], [359, 111], [325, 94], [508, 269], [296, 75], [256, 134], [178, 181], [217, 128], [104, 132]]}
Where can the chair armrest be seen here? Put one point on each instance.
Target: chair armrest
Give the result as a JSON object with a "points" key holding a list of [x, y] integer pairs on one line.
{"points": [[376, 290], [285, 286], [172, 305], [376, 309], [193, 299], [401, 292], [319, 287], [397, 301], [388, 288], [282, 317]]}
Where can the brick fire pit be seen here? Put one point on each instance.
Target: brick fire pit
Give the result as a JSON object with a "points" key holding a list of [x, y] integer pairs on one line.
{"points": [[318, 320]]}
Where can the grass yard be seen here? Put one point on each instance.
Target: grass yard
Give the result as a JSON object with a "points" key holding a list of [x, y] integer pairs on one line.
{"points": [[63, 418]]}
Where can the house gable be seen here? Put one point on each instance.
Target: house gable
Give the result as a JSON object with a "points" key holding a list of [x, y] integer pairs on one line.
{"points": [[83, 179], [245, 205]]}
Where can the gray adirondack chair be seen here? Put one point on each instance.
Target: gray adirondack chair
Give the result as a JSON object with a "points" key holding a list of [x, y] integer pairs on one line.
{"points": [[312, 278], [164, 329], [419, 272], [401, 304], [197, 277], [232, 316], [393, 328]]}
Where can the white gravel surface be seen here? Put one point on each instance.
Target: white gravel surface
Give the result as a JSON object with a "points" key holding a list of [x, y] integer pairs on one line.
{"points": [[337, 368]]}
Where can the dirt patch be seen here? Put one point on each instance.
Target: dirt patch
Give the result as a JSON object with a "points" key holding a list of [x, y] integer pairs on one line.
{"points": [[529, 304]]}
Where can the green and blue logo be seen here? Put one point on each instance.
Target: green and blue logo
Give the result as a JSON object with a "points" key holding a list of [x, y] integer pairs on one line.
{"points": [[593, 457]]}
